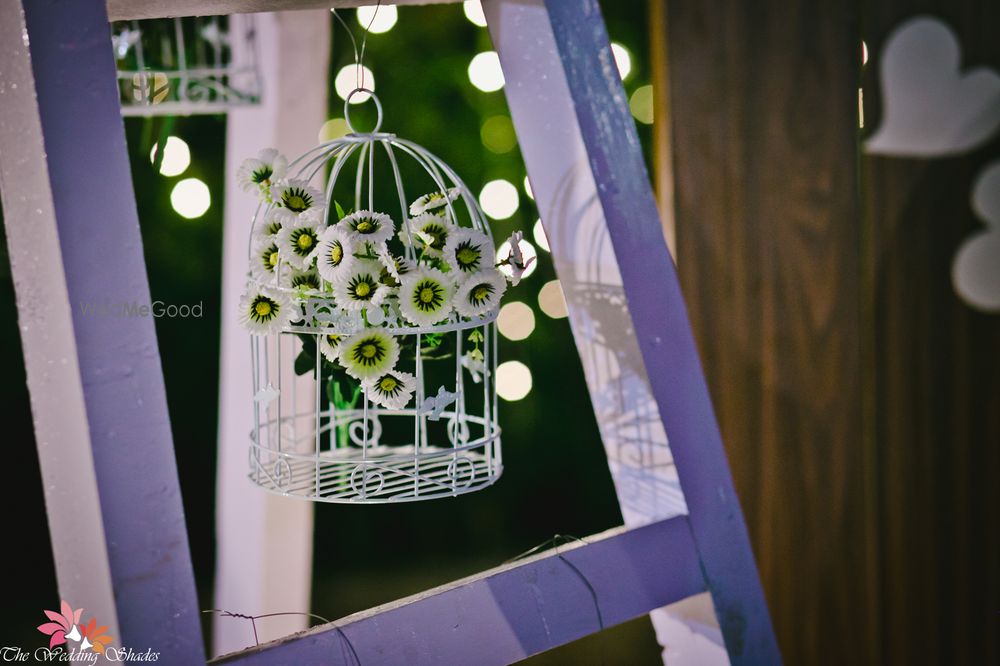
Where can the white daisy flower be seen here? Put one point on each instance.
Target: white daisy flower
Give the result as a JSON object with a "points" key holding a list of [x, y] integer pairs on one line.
{"points": [[480, 293], [425, 296], [298, 239], [393, 267], [295, 197], [264, 310], [328, 344], [367, 227], [368, 354], [360, 287], [434, 201], [307, 280], [258, 173], [269, 226], [515, 258], [264, 259], [427, 232], [468, 250], [473, 362], [334, 254], [392, 390]]}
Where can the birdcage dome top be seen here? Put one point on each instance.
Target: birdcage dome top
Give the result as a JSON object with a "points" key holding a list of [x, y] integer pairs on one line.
{"points": [[350, 255]]}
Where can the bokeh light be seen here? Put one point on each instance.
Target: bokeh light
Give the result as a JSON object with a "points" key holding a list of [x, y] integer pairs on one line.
{"points": [[485, 72], [176, 157], [538, 233], [623, 59], [551, 299], [498, 135], [499, 199], [332, 129], [347, 80], [527, 253], [474, 12], [190, 198], [516, 320], [513, 380], [527, 189], [378, 19], [641, 104]]}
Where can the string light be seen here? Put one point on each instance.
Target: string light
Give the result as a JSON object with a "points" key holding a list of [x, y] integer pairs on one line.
{"points": [[190, 198], [474, 12], [499, 199], [485, 72], [176, 157], [513, 380], [379, 19], [516, 320]]}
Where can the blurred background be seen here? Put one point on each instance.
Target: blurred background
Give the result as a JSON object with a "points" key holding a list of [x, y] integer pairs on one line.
{"points": [[858, 395]]}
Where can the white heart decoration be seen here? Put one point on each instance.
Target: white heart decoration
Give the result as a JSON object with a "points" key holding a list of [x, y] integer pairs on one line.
{"points": [[930, 107], [975, 271]]}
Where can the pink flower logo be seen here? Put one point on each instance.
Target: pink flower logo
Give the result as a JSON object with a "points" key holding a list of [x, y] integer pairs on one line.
{"points": [[61, 624]]}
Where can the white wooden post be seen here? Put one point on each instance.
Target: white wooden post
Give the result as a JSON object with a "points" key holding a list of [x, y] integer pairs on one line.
{"points": [[264, 542]]}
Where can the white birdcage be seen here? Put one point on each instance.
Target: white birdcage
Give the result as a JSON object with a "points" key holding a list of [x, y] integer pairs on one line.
{"points": [[182, 66], [318, 432]]}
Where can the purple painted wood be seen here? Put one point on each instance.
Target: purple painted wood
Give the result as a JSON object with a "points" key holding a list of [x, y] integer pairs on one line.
{"points": [[509, 614], [661, 325], [98, 227]]}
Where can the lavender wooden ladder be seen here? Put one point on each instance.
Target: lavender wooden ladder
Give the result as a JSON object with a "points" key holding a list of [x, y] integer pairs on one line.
{"points": [[492, 618]]}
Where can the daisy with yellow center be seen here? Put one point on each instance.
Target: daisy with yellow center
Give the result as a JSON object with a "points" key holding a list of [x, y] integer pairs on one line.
{"points": [[425, 296], [294, 198], [434, 202], [480, 293], [268, 227], [328, 344], [393, 267], [428, 233], [367, 227], [392, 390], [360, 288], [468, 250], [264, 310], [257, 174], [264, 265], [368, 354], [298, 240], [334, 254], [304, 280]]}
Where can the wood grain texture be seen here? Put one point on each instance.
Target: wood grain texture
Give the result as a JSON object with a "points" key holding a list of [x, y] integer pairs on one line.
{"points": [[764, 108], [937, 380]]}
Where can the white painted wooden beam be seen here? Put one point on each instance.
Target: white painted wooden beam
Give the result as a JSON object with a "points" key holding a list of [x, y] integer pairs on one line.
{"points": [[264, 542], [44, 317], [121, 10]]}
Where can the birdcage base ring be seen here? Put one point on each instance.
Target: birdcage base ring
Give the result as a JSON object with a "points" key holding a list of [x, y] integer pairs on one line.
{"points": [[386, 474]]}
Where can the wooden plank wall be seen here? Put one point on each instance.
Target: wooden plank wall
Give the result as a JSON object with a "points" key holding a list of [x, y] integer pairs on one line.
{"points": [[936, 379], [764, 106], [859, 398]]}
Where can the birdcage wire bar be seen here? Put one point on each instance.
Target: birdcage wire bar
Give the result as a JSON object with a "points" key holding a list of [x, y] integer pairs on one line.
{"points": [[367, 454]]}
